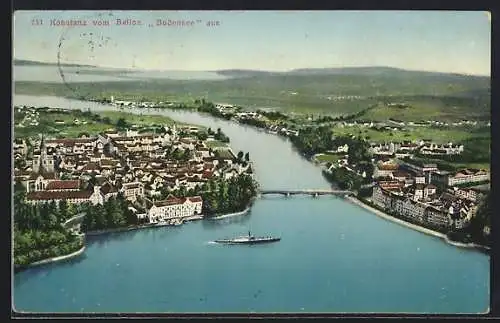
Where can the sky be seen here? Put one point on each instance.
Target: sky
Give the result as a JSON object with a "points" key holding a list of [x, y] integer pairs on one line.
{"points": [[443, 41]]}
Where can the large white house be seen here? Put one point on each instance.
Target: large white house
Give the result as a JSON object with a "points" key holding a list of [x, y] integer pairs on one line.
{"points": [[175, 208], [133, 190]]}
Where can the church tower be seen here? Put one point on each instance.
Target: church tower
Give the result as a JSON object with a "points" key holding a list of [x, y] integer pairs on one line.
{"points": [[46, 162], [174, 132]]}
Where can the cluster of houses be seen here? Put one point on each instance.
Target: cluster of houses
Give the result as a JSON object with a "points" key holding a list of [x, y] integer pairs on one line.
{"points": [[133, 104], [240, 116], [31, 117], [408, 148], [140, 166], [411, 191]]}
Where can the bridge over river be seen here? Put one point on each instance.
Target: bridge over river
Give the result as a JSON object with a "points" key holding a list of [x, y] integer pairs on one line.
{"points": [[312, 192]]}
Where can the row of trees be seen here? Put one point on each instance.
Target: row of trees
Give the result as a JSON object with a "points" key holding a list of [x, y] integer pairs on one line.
{"points": [[318, 140], [44, 216], [38, 232], [218, 135], [254, 122], [209, 107], [345, 179], [313, 140], [273, 115], [113, 214], [228, 196]]}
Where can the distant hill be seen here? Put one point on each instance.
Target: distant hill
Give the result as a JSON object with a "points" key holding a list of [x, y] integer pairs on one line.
{"points": [[245, 73], [312, 90], [362, 70]]}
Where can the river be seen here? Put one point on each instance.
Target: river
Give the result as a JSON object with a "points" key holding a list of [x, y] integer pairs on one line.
{"points": [[333, 256]]}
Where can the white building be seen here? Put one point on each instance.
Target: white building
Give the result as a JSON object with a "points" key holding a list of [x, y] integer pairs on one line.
{"points": [[172, 208], [133, 190]]}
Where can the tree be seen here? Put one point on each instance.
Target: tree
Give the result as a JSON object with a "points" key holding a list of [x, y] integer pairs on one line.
{"points": [[247, 157], [63, 210], [121, 123], [19, 187], [202, 136], [186, 155]]}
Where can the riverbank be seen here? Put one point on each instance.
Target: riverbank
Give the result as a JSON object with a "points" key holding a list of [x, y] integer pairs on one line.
{"points": [[52, 260], [140, 227], [414, 226], [115, 230], [223, 216]]}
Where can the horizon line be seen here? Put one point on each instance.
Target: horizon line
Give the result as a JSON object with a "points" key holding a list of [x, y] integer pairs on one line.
{"points": [[248, 69]]}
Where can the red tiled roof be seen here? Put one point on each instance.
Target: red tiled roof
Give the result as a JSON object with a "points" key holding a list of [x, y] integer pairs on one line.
{"points": [[168, 201], [63, 185], [195, 180], [207, 174], [195, 199], [108, 188], [388, 166], [129, 186], [71, 141], [91, 166], [54, 195], [390, 185]]}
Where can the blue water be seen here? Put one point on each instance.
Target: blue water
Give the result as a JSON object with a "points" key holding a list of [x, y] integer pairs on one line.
{"points": [[333, 257], [43, 73]]}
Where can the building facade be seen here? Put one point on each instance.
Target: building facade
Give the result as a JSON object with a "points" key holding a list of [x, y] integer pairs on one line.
{"points": [[173, 208]]}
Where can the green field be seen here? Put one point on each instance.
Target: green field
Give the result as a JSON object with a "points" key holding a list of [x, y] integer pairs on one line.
{"points": [[429, 108], [107, 120], [324, 91], [141, 120], [215, 144], [324, 158], [438, 135]]}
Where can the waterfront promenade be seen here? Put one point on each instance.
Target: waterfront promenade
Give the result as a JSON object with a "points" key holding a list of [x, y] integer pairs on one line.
{"points": [[414, 226]]}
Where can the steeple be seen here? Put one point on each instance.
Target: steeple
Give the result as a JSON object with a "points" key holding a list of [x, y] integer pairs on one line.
{"points": [[41, 157], [43, 149]]}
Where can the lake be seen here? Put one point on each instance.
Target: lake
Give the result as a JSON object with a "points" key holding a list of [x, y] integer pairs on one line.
{"points": [[52, 73]]}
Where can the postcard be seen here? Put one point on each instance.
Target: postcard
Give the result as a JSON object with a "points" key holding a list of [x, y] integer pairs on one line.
{"points": [[251, 162]]}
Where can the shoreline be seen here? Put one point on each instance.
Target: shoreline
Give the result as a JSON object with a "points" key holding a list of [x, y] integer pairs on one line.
{"points": [[53, 259], [415, 227], [115, 230], [223, 216], [140, 227]]}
